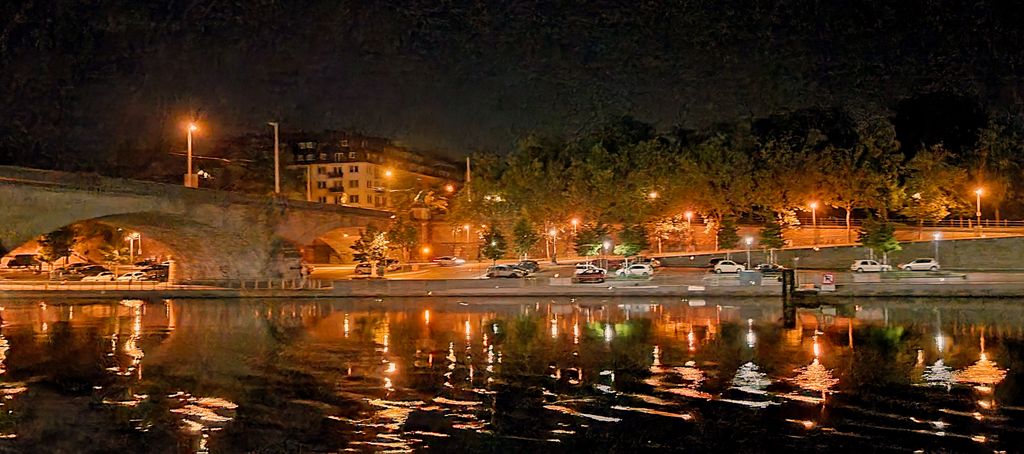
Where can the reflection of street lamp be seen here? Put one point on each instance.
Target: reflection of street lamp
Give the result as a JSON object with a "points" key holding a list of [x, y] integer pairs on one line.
{"points": [[748, 241], [191, 180], [977, 192], [937, 236], [814, 220]]}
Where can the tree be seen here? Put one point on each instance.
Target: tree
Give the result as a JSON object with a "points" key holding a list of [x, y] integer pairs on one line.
{"points": [[861, 176], [524, 237], [403, 235], [727, 234], [57, 244], [494, 245], [632, 240], [933, 187], [771, 235], [879, 235], [590, 239], [372, 247]]}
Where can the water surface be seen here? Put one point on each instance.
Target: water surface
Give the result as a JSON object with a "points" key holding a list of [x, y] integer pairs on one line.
{"points": [[504, 374]]}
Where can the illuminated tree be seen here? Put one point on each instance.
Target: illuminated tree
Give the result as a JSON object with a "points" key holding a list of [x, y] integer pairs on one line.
{"points": [[494, 245], [372, 247], [57, 244], [524, 237]]}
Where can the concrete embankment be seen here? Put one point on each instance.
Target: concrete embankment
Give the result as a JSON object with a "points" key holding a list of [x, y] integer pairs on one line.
{"points": [[542, 287]]}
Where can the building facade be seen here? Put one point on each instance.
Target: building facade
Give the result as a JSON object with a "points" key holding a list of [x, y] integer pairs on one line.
{"points": [[367, 172]]}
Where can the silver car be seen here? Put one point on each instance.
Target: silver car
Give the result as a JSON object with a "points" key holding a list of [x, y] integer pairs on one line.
{"points": [[504, 271], [925, 264]]}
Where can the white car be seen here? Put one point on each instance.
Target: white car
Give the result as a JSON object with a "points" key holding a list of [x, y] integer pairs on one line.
{"points": [[106, 276], [636, 269], [927, 264], [728, 266], [132, 276], [581, 267], [450, 261], [869, 266]]}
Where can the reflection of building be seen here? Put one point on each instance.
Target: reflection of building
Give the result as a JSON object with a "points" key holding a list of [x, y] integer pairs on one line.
{"points": [[361, 171]]}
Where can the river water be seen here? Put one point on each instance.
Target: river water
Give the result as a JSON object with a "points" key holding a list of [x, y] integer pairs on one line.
{"points": [[503, 374]]}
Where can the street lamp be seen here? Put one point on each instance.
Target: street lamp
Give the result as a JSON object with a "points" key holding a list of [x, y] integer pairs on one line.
{"points": [[554, 245], [652, 195], [191, 180], [449, 188], [132, 249], [575, 222], [814, 220], [277, 158], [466, 228], [607, 250], [977, 192], [937, 236], [748, 241]]}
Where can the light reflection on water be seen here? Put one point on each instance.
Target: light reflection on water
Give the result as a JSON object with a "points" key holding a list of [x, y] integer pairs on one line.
{"points": [[401, 375]]}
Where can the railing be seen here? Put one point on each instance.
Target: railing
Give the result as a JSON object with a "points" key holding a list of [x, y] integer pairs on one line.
{"points": [[241, 284], [261, 284], [84, 286]]}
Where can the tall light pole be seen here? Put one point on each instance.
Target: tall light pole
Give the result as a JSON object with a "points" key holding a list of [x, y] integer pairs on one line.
{"points": [[575, 222], [937, 236], [689, 227], [814, 220], [748, 241], [607, 250], [388, 174], [977, 192], [191, 179], [554, 245], [277, 158], [466, 227]]}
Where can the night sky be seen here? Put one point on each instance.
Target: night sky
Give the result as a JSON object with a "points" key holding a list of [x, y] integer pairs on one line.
{"points": [[84, 76]]}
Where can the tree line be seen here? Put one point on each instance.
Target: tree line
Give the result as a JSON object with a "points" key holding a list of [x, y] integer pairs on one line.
{"points": [[629, 183]]}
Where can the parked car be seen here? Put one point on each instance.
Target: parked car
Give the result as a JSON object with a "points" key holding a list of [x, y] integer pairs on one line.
{"points": [[770, 268], [366, 268], [504, 271], [159, 274], [131, 276], [636, 269], [581, 267], [926, 264], [868, 266], [449, 260], [590, 276], [24, 261], [91, 270], [728, 266], [530, 266], [105, 276]]}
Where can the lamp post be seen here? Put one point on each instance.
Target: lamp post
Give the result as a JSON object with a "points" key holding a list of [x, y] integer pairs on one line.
{"points": [[191, 179], [748, 241], [937, 236], [554, 245], [814, 220], [977, 193], [575, 222], [277, 158], [607, 246], [689, 227]]}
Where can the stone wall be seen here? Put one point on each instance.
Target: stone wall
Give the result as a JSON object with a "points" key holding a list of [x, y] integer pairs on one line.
{"points": [[969, 254]]}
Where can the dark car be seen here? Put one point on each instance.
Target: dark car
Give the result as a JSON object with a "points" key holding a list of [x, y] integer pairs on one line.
{"points": [[590, 276], [365, 267], [530, 266], [714, 261], [90, 270]]}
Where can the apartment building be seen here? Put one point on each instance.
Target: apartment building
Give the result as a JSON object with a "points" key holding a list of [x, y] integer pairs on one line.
{"points": [[364, 171]]}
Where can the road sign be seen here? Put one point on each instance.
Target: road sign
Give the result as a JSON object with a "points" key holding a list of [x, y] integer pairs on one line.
{"points": [[828, 282]]}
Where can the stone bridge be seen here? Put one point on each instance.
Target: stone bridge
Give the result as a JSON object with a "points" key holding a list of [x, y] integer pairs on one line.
{"points": [[211, 234]]}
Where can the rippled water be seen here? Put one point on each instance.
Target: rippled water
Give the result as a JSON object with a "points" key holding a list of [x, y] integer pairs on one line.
{"points": [[504, 374]]}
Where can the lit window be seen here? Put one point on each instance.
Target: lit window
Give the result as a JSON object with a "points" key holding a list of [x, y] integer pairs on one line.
{"points": [[351, 155], [353, 199], [339, 156], [344, 142], [353, 169]]}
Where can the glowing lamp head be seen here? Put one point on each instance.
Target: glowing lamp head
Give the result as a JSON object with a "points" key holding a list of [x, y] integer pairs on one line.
{"points": [[813, 205], [748, 240], [466, 227], [979, 191], [652, 195], [192, 127], [937, 235], [449, 188], [388, 173], [552, 232], [688, 214], [425, 250], [575, 221]]}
